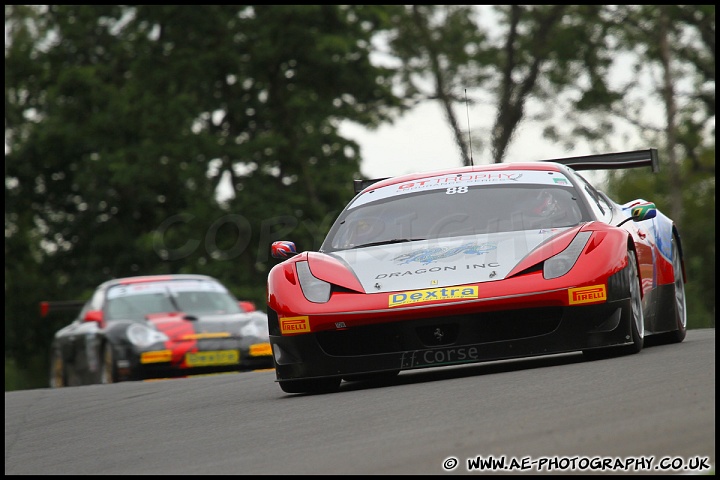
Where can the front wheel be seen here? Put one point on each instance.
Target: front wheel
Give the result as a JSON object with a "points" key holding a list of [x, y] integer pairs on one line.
{"points": [[680, 311], [57, 370], [637, 322], [108, 372], [637, 318]]}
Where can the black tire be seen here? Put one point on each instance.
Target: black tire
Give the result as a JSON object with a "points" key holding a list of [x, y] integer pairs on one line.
{"points": [[57, 370], [637, 322], [108, 370], [680, 310], [319, 385], [637, 318]]}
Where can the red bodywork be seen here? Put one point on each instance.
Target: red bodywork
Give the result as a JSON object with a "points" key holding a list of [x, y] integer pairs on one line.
{"points": [[604, 255]]}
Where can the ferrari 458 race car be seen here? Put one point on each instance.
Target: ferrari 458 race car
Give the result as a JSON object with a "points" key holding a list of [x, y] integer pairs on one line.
{"points": [[150, 327], [475, 264]]}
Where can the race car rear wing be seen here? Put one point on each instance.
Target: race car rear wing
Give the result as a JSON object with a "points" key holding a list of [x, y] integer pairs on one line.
{"points": [[612, 161], [47, 307], [603, 161], [360, 185]]}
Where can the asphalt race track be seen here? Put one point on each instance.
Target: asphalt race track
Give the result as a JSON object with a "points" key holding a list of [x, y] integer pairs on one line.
{"points": [[637, 414]]}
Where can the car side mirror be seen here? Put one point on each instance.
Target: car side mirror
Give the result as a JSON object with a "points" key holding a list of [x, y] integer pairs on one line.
{"points": [[247, 306], [94, 316], [283, 249], [641, 211]]}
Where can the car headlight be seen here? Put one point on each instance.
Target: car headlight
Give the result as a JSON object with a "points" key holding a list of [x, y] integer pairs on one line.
{"points": [[560, 264], [256, 327], [142, 336], [313, 288]]}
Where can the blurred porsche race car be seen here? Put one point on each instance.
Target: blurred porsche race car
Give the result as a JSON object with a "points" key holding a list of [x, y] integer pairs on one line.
{"points": [[150, 327], [474, 264]]}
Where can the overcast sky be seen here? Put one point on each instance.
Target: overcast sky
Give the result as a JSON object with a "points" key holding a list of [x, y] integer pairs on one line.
{"points": [[422, 141]]}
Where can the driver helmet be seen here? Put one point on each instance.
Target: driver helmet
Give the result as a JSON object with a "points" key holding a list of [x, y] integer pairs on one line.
{"points": [[544, 205]]}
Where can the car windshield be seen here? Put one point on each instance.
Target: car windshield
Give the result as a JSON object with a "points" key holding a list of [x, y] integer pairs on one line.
{"points": [[195, 297], [454, 211]]}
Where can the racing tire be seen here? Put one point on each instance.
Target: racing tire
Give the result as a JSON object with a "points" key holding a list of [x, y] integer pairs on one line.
{"points": [[319, 385], [637, 318], [57, 370], [680, 310], [108, 370], [637, 321]]}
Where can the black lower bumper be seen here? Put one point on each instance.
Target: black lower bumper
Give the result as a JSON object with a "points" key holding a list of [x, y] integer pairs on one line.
{"points": [[130, 368], [452, 340]]}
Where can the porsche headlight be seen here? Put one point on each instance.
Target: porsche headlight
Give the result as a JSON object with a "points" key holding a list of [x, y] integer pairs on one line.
{"points": [[142, 336], [257, 326], [560, 264], [313, 288]]}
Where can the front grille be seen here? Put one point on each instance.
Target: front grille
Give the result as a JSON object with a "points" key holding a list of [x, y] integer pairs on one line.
{"points": [[437, 335], [456, 330]]}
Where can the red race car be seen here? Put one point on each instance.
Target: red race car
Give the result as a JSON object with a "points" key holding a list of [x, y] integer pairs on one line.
{"points": [[475, 264], [151, 327]]}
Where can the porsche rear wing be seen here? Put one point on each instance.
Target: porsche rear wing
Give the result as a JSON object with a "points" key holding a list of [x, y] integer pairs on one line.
{"points": [[612, 161], [47, 307]]}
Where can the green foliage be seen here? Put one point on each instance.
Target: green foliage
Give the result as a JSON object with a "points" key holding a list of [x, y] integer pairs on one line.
{"points": [[31, 374], [122, 121], [696, 226], [121, 124]]}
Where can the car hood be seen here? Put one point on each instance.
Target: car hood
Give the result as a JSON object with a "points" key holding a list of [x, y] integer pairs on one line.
{"points": [[180, 326], [442, 262]]}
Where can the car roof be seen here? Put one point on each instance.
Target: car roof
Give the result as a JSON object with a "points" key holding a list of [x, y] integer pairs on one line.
{"points": [[494, 167], [155, 278]]}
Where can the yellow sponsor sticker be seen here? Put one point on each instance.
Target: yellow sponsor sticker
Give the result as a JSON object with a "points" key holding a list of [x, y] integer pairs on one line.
{"points": [[593, 294], [200, 336], [260, 349], [431, 295], [159, 356], [212, 358], [295, 325]]}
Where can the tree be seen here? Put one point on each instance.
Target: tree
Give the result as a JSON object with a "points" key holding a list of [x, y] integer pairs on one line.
{"points": [[121, 122], [124, 122], [529, 53], [676, 44]]}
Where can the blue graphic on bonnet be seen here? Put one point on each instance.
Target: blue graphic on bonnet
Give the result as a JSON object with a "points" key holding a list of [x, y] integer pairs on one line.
{"points": [[430, 255]]}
